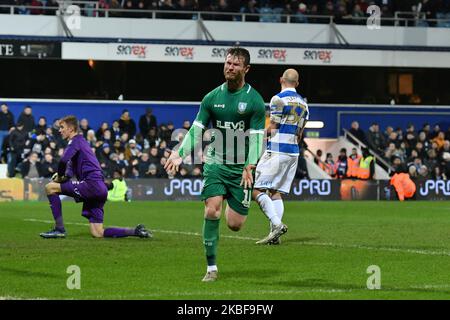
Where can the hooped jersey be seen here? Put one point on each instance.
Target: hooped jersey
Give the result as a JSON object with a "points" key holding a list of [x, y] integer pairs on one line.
{"points": [[290, 111]]}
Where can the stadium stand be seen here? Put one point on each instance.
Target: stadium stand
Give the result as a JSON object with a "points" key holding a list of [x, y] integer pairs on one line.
{"points": [[142, 153], [421, 12]]}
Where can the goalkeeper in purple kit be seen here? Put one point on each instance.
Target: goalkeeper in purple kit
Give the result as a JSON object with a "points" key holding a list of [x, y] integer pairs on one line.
{"points": [[80, 162]]}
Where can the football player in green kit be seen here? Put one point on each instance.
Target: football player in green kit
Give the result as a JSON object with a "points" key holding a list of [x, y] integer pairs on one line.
{"points": [[236, 112]]}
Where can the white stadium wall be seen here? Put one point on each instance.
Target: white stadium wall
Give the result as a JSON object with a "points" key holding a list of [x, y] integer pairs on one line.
{"points": [[224, 31]]}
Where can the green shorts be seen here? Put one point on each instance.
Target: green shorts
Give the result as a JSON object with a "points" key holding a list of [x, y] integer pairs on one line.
{"points": [[221, 180]]}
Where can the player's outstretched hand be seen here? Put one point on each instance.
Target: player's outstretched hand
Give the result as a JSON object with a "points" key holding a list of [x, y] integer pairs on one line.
{"points": [[173, 163], [247, 176]]}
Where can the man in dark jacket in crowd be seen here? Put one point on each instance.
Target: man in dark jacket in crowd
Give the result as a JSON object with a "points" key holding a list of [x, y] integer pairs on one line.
{"points": [[49, 166], [126, 124], [27, 119], [6, 122], [17, 140], [358, 133], [375, 139], [147, 121], [31, 167]]}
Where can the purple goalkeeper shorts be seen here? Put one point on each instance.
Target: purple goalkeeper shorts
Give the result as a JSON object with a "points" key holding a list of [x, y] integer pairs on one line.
{"points": [[93, 194]]}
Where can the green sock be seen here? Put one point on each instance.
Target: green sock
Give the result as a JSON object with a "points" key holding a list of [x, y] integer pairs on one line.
{"points": [[211, 239]]}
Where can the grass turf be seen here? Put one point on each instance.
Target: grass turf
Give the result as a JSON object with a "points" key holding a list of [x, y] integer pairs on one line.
{"points": [[325, 254]]}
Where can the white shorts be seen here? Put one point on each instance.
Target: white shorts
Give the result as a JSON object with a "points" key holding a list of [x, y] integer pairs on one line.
{"points": [[276, 171]]}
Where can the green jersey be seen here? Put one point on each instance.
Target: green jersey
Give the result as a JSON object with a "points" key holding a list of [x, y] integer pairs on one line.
{"points": [[234, 118]]}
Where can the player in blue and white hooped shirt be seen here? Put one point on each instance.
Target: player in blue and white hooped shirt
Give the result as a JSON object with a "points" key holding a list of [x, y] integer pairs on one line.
{"points": [[276, 168]]}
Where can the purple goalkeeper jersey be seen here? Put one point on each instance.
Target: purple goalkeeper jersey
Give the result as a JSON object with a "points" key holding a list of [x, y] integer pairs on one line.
{"points": [[79, 159]]}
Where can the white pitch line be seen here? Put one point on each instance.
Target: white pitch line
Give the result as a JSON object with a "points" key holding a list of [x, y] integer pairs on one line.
{"points": [[311, 243], [19, 298]]}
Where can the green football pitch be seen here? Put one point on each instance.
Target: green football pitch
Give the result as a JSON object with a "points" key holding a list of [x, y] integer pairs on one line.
{"points": [[325, 254]]}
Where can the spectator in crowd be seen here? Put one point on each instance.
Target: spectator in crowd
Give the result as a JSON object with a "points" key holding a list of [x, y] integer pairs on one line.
{"points": [[357, 132], [49, 166], [301, 14], [329, 166], [132, 150], [433, 134], [431, 160], [6, 122], [423, 171], [446, 164], [154, 155], [31, 167], [91, 138], [375, 139], [412, 172], [147, 121], [106, 137], [152, 171], [126, 124], [250, 8], [100, 131], [164, 133], [143, 165], [84, 127], [387, 132], [152, 138], [103, 155], [318, 157], [439, 139], [27, 119], [17, 139], [421, 151], [438, 174], [342, 164], [186, 125], [426, 128], [445, 149], [115, 131], [302, 168], [124, 140], [41, 127], [410, 137]]}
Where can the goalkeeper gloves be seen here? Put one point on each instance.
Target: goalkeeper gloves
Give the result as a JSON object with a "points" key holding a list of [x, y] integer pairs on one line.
{"points": [[56, 178]]}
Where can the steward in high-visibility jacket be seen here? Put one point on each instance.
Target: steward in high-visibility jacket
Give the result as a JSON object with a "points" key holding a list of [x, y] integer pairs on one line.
{"points": [[404, 186], [366, 166], [117, 189], [353, 165]]}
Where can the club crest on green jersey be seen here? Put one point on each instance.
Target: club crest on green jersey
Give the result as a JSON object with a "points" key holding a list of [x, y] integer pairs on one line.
{"points": [[242, 106]]}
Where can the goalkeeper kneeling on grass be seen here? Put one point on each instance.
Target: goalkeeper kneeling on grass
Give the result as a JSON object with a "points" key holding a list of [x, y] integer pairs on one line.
{"points": [[80, 164], [117, 189]]}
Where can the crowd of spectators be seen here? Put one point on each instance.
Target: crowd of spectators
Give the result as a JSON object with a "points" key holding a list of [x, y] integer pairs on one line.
{"points": [[268, 10], [138, 150], [423, 153]]}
